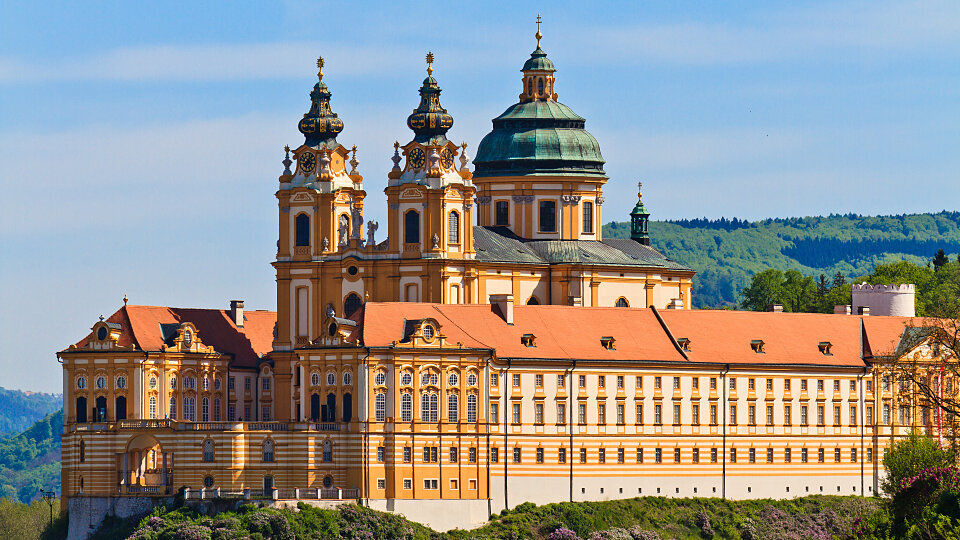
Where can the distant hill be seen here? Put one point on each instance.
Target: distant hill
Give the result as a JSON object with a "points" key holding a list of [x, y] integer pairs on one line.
{"points": [[19, 410], [31, 460], [726, 252]]}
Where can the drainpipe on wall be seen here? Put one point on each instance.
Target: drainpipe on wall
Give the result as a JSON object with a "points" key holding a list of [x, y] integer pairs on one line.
{"points": [[569, 419], [506, 443], [723, 400], [863, 413]]}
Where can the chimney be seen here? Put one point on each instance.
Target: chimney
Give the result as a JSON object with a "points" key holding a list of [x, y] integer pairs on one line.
{"points": [[863, 310], [776, 308], [841, 309], [503, 303], [236, 312], [676, 303]]}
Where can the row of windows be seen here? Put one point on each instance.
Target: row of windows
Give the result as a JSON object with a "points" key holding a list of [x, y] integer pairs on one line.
{"points": [[190, 383], [101, 382], [546, 217], [429, 407], [658, 382], [658, 455], [695, 419], [331, 379], [426, 378], [431, 454]]}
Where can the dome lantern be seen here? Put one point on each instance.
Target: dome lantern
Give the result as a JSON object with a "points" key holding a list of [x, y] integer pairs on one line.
{"points": [[430, 121], [320, 126], [639, 220]]}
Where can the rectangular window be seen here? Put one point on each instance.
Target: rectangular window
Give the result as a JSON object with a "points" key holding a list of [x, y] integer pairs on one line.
{"points": [[836, 455], [786, 385], [516, 455], [588, 217], [538, 380], [676, 383], [853, 386], [819, 385], [804, 455], [431, 483], [753, 455], [381, 454], [695, 414], [454, 454], [601, 381], [733, 383], [853, 415], [231, 413], [494, 380], [713, 455], [751, 384], [869, 414], [821, 415], [381, 483], [266, 384], [538, 412], [620, 413], [658, 414], [853, 455], [803, 415], [503, 213], [639, 382], [870, 385], [620, 382], [733, 415], [657, 382], [561, 382], [713, 414], [246, 383], [582, 381], [494, 455], [869, 455], [472, 455], [561, 413], [516, 380], [786, 415], [602, 455], [639, 455], [820, 455], [769, 455], [886, 414], [516, 413], [713, 383], [408, 483], [583, 455], [676, 455], [639, 420], [836, 385], [406, 454], [601, 413], [695, 457], [752, 414], [620, 455], [494, 413], [562, 456], [786, 455], [803, 385], [266, 413], [733, 455], [769, 384], [676, 415], [769, 415], [230, 383], [548, 216], [886, 382], [582, 413], [658, 455], [836, 415], [539, 455]]}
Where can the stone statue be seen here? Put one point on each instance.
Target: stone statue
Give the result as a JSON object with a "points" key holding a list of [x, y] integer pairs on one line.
{"points": [[371, 230], [436, 241], [330, 311], [357, 223], [326, 244], [343, 230]]}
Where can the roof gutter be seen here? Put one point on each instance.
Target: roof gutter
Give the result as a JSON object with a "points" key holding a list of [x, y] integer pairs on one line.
{"points": [[666, 329]]}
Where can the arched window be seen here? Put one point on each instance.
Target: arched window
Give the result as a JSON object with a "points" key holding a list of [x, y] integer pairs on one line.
{"points": [[81, 409], [351, 304], [429, 405], [268, 451], [153, 406], [453, 227], [83, 451], [453, 408], [331, 408], [533, 301], [120, 407], [208, 450], [622, 302], [588, 217], [216, 409], [471, 408], [205, 409], [406, 408], [173, 407], [327, 451], [190, 409], [347, 407], [530, 86], [381, 407], [540, 86], [315, 406], [411, 227], [303, 230]]}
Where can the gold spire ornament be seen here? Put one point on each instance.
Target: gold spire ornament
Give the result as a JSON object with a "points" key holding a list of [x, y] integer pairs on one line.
{"points": [[429, 64], [538, 34], [320, 68], [640, 190]]}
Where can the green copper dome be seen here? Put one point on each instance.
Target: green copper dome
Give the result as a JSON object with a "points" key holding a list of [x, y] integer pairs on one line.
{"points": [[538, 136]]}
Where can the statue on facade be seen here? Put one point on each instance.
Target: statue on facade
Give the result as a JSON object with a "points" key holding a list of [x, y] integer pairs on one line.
{"points": [[343, 230], [357, 223], [371, 230]]}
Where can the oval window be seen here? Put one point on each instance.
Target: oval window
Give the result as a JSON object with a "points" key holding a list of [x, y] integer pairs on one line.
{"points": [[153, 382], [81, 382], [407, 379], [452, 380], [380, 379], [352, 270], [331, 379], [472, 379], [208, 481], [101, 382], [122, 382], [347, 379], [102, 333], [428, 332]]}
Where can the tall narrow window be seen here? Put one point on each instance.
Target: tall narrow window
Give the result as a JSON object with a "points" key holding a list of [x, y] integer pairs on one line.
{"points": [[471, 408], [153, 407], [548, 216], [588, 217], [208, 450], [216, 409], [268, 451], [381, 407], [406, 408], [503, 213], [303, 230], [453, 408], [81, 409], [205, 409], [411, 227], [453, 227]]}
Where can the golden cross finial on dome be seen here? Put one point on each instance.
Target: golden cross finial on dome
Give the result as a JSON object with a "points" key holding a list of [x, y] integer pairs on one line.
{"points": [[430, 63], [320, 66], [538, 35], [639, 190]]}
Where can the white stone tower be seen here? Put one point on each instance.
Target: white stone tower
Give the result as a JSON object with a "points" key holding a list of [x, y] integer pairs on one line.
{"points": [[896, 300]]}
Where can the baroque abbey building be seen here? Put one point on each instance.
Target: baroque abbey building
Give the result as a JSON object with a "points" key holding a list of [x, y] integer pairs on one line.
{"points": [[493, 349]]}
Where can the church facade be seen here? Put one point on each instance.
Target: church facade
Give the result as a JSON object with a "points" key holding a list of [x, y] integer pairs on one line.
{"points": [[493, 349]]}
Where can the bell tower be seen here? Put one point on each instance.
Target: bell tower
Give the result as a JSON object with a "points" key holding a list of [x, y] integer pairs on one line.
{"points": [[430, 198]]}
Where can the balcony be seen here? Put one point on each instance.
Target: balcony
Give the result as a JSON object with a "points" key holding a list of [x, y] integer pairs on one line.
{"points": [[175, 425], [323, 494]]}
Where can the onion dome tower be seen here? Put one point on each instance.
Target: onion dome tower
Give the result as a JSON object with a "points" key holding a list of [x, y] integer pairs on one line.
{"points": [[541, 148], [430, 198], [639, 218], [320, 125]]}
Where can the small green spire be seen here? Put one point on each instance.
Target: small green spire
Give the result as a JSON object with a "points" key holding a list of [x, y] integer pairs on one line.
{"points": [[639, 219]]}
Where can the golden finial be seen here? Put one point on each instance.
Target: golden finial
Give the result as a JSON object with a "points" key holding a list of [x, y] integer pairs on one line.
{"points": [[429, 64], [639, 190], [124, 298], [396, 145], [320, 68], [286, 148], [538, 35]]}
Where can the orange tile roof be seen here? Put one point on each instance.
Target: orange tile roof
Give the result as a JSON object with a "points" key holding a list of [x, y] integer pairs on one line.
{"points": [[142, 327], [883, 333]]}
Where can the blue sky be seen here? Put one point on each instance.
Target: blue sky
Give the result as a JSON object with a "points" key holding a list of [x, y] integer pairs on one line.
{"points": [[140, 142]]}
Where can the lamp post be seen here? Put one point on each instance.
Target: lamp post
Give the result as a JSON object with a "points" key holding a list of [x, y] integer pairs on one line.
{"points": [[49, 496]]}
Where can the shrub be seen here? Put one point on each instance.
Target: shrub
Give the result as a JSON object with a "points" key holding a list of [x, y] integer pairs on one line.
{"points": [[907, 457], [563, 533]]}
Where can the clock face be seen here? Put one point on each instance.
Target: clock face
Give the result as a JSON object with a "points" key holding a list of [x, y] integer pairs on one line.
{"points": [[308, 162], [416, 158], [446, 158]]}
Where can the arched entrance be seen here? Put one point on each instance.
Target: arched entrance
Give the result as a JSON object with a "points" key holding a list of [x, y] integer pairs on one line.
{"points": [[145, 467]]}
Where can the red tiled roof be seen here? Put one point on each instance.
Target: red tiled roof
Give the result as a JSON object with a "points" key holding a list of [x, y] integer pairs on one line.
{"points": [[142, 327], [883, 333]]}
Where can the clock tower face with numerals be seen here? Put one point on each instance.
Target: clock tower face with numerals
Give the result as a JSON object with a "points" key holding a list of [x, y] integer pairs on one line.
{"points": [[446, 158], [416, 158], [308, 162]]}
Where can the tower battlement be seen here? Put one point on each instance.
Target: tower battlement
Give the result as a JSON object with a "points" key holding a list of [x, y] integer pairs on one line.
{"points": [[896, 300]]}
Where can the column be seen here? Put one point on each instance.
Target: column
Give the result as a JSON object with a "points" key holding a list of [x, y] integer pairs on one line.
{"points": [[163, 472], [125, 480], [303, 392]]}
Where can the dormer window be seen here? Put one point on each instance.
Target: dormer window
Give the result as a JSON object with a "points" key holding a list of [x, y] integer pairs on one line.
{"points": [[102, 333], [825, 347], [528, 340], [187, 337], [607, 342], [428, 332], [757, 346], [684, 343]]}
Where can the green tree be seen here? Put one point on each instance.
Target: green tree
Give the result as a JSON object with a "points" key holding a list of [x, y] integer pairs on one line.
{"points": [[908, 456], [939, 259], [765, 288]]}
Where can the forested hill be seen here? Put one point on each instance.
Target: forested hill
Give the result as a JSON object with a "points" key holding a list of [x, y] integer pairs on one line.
{"points": [[726, 252], [19, 410], [31, 460]]}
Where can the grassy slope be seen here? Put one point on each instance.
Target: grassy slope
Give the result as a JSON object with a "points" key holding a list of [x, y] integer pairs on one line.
{"points": [[726, 256]]}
